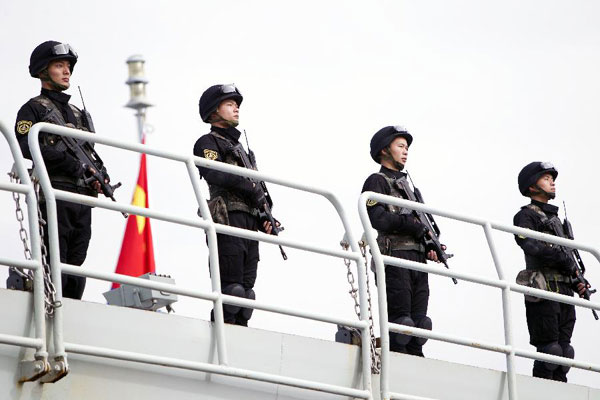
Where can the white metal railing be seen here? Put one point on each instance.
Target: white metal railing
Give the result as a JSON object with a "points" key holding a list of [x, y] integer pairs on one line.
{"points": [[29, 370], [207, 224], [502, 283]]}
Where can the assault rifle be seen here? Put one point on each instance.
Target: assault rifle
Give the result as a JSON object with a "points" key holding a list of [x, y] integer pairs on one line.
{"points": [[432, 240], [264, 210], [565, 230], [95, 171]]}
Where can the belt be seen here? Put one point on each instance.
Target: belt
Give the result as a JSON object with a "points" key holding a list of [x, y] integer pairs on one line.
{"points": [[558, 278]]}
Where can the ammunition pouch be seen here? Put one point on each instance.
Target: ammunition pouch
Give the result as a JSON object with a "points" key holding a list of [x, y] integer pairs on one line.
{"points": [[533, 279], [218, 210]]}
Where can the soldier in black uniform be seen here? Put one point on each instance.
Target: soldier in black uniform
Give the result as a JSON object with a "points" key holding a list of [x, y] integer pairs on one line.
{"points": [[238, 257], [53, 62], [550, 323], [401, 235]]}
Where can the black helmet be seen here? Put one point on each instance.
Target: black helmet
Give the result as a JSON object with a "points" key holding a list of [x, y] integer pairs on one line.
{"points": [[384, 137], [530, 174], [215, 95], [49, 51]]}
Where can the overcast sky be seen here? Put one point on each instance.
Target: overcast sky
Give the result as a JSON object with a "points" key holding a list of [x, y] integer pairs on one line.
{"points": [[484, 88]]}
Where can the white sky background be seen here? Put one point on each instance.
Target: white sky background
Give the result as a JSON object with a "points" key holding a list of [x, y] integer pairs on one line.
{"points": [[484, 88]]}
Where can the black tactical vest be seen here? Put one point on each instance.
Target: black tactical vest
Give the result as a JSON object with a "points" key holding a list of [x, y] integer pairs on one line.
{"points": [[534, 263], [233, 201], [389, 242], [53, 115]]}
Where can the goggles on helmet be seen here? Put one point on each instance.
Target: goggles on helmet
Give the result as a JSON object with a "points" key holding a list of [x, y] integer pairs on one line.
{"points": [[399, 128], [547, 165], [226, 89], [64, 49]]}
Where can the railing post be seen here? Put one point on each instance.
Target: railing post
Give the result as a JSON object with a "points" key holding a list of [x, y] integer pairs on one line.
{"points": [[60, 366], [507, 314], [361, 270], [41, 366], [381, 296], [215, 274]]}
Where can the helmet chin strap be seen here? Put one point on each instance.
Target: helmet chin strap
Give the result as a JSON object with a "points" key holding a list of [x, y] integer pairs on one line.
{"points": [[550, 195], [231, 123], [45, 77], [398, 165]]}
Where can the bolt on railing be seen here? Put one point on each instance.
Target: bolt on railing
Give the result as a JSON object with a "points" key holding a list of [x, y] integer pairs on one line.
{"points": [[501, 283]]}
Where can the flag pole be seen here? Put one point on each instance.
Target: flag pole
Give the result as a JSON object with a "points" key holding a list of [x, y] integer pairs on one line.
{"points": [[136, 257]]}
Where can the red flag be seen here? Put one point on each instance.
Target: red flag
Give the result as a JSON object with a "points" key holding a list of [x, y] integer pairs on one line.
{"points": [[137, 252]]}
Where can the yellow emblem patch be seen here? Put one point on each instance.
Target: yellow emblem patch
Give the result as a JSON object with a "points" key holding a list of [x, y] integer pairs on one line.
{"points": [[210, 154], [371, 203], [23, 127]]}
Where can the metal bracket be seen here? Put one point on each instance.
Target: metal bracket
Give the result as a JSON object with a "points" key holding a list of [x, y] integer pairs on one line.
{"points": [[32, 370], [59, 370]]}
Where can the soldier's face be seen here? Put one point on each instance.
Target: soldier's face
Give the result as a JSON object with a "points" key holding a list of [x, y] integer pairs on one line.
{"points": [[60, 73], [546, 183], [398, 150], [229, 110]]}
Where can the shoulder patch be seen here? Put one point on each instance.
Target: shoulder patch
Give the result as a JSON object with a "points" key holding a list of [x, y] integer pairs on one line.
{"points": [[371, 203], [210, 154], [23, 127]]}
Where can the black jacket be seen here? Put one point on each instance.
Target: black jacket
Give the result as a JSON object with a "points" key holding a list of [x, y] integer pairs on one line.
{"points": [[384, 220], [57, 162], [211, 147], [538, 254]]}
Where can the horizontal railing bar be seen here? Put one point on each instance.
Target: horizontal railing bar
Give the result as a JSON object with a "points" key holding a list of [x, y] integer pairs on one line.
{"points": [[27, 264], [170, 288], [200, 223], [399, 396], [515, 230], [413, 331], [14, 187], [557, 360], [21, 341], [199, 161], [215, 369], [437, 270], [497, 348]]}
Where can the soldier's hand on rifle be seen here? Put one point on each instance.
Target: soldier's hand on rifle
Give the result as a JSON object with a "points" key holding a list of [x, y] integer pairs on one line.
{"points": [[90, 171], [580, 288], [432, 255], [268, 228]]}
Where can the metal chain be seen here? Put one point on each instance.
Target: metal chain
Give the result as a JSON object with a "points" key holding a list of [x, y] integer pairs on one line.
{"points": [[375, 359], [23, 235], [49, 289]]}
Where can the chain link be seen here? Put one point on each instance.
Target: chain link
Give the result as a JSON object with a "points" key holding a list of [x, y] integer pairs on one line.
{"points": [[50, 302], [375, 359], [49, 290], [22, 231]]}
